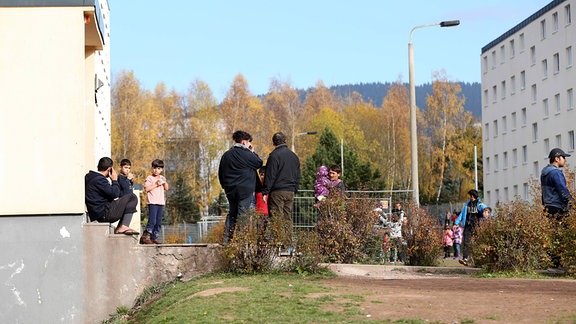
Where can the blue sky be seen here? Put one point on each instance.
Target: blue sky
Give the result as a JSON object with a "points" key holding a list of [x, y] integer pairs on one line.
{"points": [[336, 41]]}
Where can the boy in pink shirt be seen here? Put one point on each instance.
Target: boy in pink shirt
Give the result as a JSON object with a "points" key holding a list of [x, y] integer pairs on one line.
{"points": [[155, 187]]}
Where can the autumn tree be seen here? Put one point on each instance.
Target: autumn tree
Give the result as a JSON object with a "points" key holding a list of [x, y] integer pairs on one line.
{"points": [[205, 130], [356, 175], [135, 134], [444, 124]]}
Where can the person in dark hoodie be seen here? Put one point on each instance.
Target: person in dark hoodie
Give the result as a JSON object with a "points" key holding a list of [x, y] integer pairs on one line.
{"points": [[555, 194], [237, 175], [282, 180], [101, 198]]}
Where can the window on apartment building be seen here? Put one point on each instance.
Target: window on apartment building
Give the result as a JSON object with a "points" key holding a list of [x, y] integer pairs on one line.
{"points": [[512, 49], [544, 68], [496, 163], [512, 84], [505, 160], [522, 80], [514, 157], [514, 121], [493, 60], [533, 55], [522, 42], [557, 103], [515, 191], [555, 22], [568, 56], [558, 140], [485, 64], [497, 194], [546, 146], [525, 191], [504, 125], [543, 29], [556, 61], [502, 54], [536, 168], [495, 124], [503, 89], [569, 99], [494, 94], [485, 98], [524, 116], [534, 132], [487, 164], [506, 197], [524, 154], [486, 131], [571, 144], [534, 93], [567, 15], [545, 108]]}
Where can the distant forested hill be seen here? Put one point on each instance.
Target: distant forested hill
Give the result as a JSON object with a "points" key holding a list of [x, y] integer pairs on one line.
{"points": [[375, 92]]}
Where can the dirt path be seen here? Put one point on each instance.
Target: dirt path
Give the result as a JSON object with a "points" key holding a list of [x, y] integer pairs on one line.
{"points": [[457, 299]]}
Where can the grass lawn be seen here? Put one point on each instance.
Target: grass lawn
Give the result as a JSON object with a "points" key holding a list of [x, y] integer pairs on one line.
{"points": [[260, 298]]}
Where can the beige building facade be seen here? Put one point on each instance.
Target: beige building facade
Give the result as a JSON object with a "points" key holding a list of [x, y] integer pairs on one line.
{"points": [[528, 85]]}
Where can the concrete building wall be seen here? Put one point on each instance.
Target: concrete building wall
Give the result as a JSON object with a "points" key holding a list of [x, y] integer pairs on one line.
{"points": [[528, 84]]}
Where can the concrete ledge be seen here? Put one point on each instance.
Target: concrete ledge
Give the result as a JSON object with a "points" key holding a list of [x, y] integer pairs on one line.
{"points": [[397, 272]]}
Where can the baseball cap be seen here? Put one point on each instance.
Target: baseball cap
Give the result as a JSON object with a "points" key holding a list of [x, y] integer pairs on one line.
{"points": [[557, 152]]}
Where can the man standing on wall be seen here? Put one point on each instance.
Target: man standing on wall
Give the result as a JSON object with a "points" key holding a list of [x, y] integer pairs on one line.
{"points": [[469, 218], [237, 175], [282, 181]]}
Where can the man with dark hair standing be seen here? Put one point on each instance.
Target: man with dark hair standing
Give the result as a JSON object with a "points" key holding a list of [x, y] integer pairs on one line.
{"points": [[469, 217], [555, 194], [282, 180], [101, 197], [237, 175]]}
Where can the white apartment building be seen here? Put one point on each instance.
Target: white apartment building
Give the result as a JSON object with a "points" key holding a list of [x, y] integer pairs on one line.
{"points": [[528, 85]]}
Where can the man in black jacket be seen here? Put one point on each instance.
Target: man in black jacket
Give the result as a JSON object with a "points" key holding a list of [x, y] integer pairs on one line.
{"points": [[237, 175], [282, 180], [101, 198]]}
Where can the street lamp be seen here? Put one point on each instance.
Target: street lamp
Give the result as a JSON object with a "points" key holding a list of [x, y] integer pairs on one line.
{"points": [[413, 126], [300, 134]]}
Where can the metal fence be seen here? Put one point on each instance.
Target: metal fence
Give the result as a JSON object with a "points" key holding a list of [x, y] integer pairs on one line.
{"points": [[305, 214]]}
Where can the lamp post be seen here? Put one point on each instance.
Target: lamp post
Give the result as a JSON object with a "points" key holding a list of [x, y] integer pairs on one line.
{"points": [[300, 134], [413, 125]]}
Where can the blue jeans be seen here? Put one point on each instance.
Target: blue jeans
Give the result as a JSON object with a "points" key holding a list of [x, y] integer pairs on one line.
{"points": [[456, 250], [237, 208], [154, 220]]}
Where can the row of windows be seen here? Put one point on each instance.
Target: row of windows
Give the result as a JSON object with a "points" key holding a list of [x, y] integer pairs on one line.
{"points": [[534, 93], [512, 44], [506, 194], [521, 155], [501, 126]]}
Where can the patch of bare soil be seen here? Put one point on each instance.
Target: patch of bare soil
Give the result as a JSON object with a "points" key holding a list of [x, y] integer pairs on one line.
{"points": [[458, 299], [216, 291]]}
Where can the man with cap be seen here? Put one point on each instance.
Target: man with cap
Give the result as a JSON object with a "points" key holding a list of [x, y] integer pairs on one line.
{"points": [[555, 194]]}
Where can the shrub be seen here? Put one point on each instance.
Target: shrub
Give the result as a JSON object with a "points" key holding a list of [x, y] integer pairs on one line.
{"points": [[423, 237], [517, 239], [344, 227], [216, 234]]}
